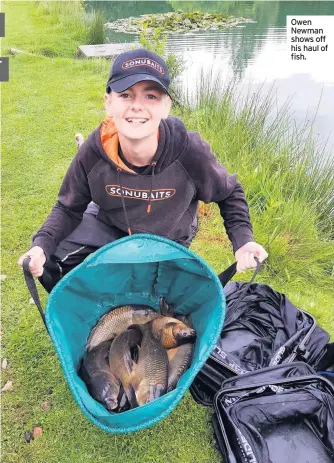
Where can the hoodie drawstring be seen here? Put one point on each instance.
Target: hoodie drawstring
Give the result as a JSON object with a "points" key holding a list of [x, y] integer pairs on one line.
{"points": [[149, 206], [153, 164], [119, 170]]}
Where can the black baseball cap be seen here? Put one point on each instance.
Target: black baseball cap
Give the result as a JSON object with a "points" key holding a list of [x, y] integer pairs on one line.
{"points": [[136, 66]]}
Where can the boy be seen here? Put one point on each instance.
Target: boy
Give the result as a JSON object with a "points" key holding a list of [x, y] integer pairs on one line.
{"points": [[140, 171]]}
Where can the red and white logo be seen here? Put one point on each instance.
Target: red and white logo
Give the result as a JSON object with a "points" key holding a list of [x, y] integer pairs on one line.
{"points": [[131, 63]]}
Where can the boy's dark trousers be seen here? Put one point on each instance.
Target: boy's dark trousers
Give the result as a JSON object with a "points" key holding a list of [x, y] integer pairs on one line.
{"points": [[55, 268]]}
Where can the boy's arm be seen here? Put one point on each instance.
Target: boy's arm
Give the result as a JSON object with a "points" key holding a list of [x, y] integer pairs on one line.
{"points": [[74, 195], [235, 213], [214, 184]]}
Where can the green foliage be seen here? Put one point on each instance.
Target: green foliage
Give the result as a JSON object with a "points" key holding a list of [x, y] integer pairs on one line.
{"points": [[156, 42], [94, 23], [176, 22], [183, 20], [289, 182], [70, 17]]}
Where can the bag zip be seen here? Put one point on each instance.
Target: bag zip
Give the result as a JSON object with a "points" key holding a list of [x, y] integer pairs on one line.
{"points": [[71, 253], [306, 337], [293, 379]]}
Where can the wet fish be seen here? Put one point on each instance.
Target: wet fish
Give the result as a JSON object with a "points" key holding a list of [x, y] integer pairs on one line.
{"points": [[121, 363], [186, 319], [123, 403], [172, 332], [101, 383], [179, 361], [150, 376], [118, 320]]}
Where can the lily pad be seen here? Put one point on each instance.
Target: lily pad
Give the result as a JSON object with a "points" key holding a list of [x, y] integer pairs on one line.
{"points": [[175, 22]]}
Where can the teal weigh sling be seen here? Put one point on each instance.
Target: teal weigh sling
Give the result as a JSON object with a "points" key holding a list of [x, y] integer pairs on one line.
{"points": [[139, 269]]}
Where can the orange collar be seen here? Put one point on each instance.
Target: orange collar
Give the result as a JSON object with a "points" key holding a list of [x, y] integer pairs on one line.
{"points": [[110, 141]]}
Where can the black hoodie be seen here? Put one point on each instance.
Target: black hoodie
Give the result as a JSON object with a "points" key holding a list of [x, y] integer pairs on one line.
{"points": [[182, 172]]}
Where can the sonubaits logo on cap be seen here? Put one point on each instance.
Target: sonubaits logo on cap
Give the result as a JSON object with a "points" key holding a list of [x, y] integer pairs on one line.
{"points": [[131, 63]]}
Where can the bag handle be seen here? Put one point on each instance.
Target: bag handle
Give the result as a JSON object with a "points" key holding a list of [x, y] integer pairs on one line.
{"points": [[246, 287], [224, 278], [30, 282], [229, 273]]}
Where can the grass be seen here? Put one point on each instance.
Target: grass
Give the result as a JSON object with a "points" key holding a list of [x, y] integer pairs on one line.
{"points": [[62, 26], [288, 180], [62, 96]]}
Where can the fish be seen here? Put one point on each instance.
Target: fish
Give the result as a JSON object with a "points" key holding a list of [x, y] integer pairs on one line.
{"points": [[123, 403], [118, 320], [121, 362], [168, 310], [149, 377], [101, 383], [172, 332], [179, 360], [186, 319]]}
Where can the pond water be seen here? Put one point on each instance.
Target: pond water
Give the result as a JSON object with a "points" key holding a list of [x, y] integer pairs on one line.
{"points": [[255, 55]]}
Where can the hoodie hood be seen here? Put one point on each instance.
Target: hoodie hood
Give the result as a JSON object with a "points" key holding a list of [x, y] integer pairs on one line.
{"points": [[172, 143]]}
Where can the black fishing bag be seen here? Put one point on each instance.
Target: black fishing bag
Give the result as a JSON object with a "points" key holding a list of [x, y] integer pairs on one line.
{"points": [[262, 328], [282, 414]]}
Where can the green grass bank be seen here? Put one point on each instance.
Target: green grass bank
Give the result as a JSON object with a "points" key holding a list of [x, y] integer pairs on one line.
{"points": [[49, 98]]}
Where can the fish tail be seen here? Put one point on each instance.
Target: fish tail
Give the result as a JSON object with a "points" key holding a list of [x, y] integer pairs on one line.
{"points": [[131, 395], [156, 391]]}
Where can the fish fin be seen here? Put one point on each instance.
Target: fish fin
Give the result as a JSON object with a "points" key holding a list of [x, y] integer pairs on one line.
{"points": [[135, 377], [142, 392], [163, 306], [131, 395], [156, 391], [171, 353]]}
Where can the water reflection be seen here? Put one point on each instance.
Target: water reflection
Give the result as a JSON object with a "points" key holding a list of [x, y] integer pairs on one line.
{"points": [[254, 54]]}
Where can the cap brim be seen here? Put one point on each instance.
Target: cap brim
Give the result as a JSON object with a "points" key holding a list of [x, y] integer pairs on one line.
{"points": [[127, 82]]}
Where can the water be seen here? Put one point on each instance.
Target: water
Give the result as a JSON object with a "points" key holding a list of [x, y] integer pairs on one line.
{"points": [[255, 55]]}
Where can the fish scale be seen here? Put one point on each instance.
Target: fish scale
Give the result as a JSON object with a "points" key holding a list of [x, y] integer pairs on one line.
{"points": [[179, 361], [118, 320], [150, 377], [120, 360]]}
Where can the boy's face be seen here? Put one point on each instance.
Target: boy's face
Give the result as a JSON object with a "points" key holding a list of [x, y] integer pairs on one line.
{"points": [[137, 111]]}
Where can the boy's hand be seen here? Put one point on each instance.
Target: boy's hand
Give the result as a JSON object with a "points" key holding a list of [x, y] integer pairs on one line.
{"points": [[37, 260], [245, 256]]}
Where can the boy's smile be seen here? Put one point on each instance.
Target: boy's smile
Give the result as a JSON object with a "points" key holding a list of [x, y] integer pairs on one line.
{"points": [[137, 111]]}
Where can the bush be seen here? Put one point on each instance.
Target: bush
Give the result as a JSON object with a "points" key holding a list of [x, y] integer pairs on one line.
{"points": [[94, 22]]}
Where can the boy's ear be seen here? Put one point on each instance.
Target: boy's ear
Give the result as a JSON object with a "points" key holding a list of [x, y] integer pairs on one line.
{"points": [[107, 104], [167, 108]]}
